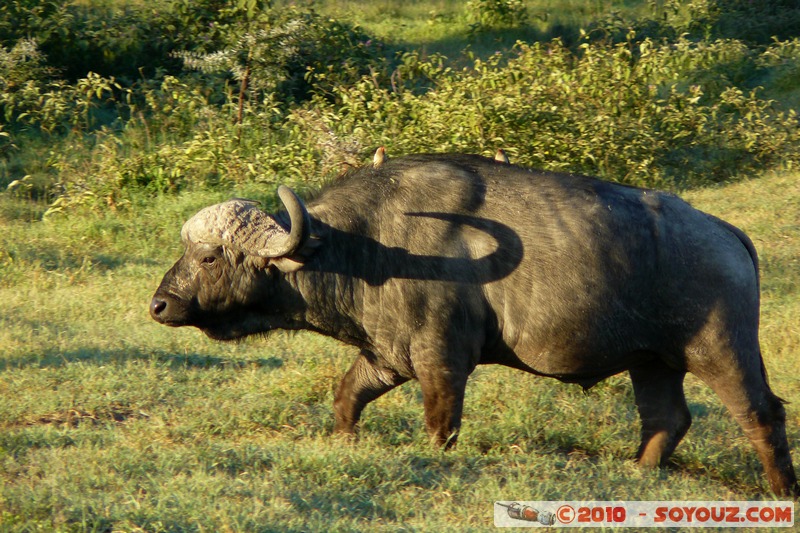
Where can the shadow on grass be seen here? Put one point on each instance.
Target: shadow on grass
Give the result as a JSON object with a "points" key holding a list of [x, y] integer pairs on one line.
{"points": [[424, 474], [488, 41], [720, 471], [56, 257], [98, 356]]}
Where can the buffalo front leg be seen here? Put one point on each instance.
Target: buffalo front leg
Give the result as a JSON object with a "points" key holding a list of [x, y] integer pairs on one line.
{"points": [[363, 383], [662, 408]]}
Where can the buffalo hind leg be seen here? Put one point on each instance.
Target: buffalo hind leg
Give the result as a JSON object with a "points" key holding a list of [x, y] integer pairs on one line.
{"points": [[746, 394], [662, 408], [363, 383], [443, 398]]}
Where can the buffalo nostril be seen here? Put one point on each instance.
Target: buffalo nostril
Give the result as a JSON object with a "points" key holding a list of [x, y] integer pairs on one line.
{"points": [[157, 306]]}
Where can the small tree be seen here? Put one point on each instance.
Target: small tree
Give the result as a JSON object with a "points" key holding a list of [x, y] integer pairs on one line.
{"points": [[287, 52]]}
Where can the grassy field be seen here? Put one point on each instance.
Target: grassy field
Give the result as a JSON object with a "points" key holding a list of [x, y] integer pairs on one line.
{"points": [[440, 26], [109, 421]]}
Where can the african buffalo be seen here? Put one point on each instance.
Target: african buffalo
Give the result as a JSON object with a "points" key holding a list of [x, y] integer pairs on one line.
{"points": [[432, 264]]}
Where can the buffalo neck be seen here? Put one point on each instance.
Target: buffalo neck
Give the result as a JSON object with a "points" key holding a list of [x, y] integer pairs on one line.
{"points": [[332, 281]]}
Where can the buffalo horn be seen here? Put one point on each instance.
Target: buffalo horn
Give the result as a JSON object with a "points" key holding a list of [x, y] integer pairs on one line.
{"points": [[242, 225]]}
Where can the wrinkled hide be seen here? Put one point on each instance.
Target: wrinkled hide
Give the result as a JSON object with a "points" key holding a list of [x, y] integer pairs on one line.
{"points": [[433, 264]]}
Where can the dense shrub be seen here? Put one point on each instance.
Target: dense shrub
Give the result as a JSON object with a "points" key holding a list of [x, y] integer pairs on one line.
{"points": [[780, 66], [31, 96], [489, 14], [288, 95], [76, 39], [290, 52], [755, 22], [287, 52], [120, 39], [650, 118]]}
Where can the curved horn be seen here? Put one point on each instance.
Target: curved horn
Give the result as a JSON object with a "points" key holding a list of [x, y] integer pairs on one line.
{"points": [[241, 224], [299, 220]]}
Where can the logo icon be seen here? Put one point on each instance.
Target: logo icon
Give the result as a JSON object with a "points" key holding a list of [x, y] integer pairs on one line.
{"points": [[518, 511]]}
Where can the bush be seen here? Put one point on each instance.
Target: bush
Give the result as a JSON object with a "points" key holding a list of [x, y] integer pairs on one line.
{"points": [[745, 20], [78, 39], [30, 96], [289, 52], [608, 112], [320, 95], [780, 65], [491, 14]]}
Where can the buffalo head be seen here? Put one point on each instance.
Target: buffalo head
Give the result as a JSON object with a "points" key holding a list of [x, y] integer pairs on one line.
{"points": [[226, 282]]}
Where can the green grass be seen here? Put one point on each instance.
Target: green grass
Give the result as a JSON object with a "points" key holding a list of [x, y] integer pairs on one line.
{"points": [[443, 26], [109, 421]]}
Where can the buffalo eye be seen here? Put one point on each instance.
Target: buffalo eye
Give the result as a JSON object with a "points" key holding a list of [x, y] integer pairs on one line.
{"points": [[209, 257]]}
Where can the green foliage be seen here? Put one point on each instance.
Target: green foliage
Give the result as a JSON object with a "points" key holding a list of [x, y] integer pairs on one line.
{"points": [[24, 76], [21, 64], [487, 14], [77, 39], [289, 52], [20, 19], [275, 94], [30, 96], [753, 22], [6, 144], [656, 117], [781, 64]]}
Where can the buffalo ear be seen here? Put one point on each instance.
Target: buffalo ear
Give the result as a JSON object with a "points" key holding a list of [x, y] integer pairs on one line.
{"points": [[297, 260], [285, 264]]}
